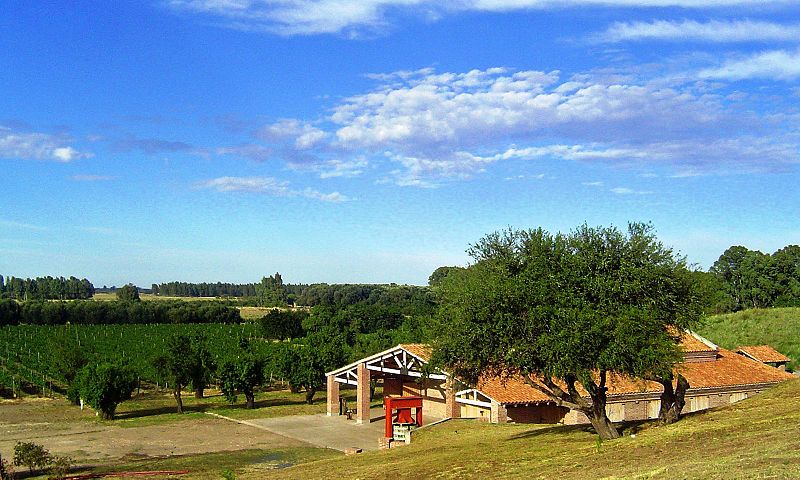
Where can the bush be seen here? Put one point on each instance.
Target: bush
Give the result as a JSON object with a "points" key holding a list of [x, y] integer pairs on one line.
{"points": [[31, 455], [60, 467]]}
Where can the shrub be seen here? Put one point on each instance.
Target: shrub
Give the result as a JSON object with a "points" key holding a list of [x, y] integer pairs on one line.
{"points": [[31, 455]]}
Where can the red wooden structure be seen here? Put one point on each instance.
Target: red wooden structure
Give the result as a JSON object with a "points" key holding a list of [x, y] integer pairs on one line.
{"points": [[398, 412]]}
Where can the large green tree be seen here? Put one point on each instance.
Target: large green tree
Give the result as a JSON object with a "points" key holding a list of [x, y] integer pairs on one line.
{"points": [[567, 311], [186, 361], [304, 364], [271, 292], [128, 293], [242, 372], [104, 385]]}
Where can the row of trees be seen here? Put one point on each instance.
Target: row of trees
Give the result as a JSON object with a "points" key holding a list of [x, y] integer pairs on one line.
{"points": [[270, 291], [115, 312], [218, 289], [46, 288], [188, 363], [752, 279]]}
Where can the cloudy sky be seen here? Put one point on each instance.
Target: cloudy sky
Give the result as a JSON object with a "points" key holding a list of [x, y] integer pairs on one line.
{"points": [[374, 140]]}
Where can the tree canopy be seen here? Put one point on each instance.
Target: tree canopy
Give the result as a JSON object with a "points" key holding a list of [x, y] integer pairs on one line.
{"points": [[104, 385], [565, 311], [304, 365]]}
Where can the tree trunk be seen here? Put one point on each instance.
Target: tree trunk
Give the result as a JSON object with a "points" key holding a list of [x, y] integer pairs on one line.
{"points": [[600, 421], [178, 400], [294, 388], [198, 392], [107, 415], [672, 400], [597, 411], [310, 395], [251, 399]]}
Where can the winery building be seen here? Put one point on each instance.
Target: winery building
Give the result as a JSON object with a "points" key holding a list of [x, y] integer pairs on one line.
{"points": [[716, 376]]}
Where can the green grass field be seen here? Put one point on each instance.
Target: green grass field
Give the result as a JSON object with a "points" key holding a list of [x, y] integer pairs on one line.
{"points": [[756, 438], [779, 327]]}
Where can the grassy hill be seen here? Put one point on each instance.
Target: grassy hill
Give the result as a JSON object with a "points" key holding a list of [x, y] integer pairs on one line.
{"points": [[779, 327], [756, 438]]}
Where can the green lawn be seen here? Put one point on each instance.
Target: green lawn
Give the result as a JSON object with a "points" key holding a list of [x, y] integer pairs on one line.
{"points": [[756, 438], [779, 327], [157, 407]]}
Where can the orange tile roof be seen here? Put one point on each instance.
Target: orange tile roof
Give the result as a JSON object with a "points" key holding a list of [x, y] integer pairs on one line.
{"points": [[727, 370], [691, 343], [763, 353], [422, 350]]}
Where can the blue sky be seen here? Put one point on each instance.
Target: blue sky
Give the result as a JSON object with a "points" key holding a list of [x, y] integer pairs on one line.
{"points": [[374, 140]]}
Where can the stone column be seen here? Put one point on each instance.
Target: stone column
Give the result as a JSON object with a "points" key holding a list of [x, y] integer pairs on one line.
{"points": [[333, 396], [362, 394], [499, 413], [452, 409]]}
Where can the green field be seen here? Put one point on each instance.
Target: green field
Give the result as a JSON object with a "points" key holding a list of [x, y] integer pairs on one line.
{"points": [[779, 327], [34, 348]]}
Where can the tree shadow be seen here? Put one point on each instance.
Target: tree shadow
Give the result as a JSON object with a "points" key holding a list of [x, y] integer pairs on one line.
{"points": [[203, 408], [557, 428]]}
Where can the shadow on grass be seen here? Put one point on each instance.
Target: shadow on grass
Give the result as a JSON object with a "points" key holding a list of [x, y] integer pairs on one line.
{"points": [[537, 432], [202, 408], [624, 428]]}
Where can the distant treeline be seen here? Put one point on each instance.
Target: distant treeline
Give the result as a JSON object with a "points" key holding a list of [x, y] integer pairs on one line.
{"points": [[186, 289], [270, 291], [752, 279], [114, 312], [46, 288], [407, 299]]}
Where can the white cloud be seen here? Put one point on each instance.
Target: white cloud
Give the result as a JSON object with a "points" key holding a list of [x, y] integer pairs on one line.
{"points": [[20, 225], [629, 191], [37, 146], [255, 152], [712, 31], [342, 168], [303, 134], [771, 65], [267, 186], [92, 178], [592, 184], [305, 17], [446, 126]]}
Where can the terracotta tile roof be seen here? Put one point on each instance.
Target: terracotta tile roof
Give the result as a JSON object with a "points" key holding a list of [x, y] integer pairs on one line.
{"points": [[728, 369], [692, 343], [763, 353], [422, 350]]}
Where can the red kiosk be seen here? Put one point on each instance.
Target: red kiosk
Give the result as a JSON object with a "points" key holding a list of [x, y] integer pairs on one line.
{"points": [[399, 414]]}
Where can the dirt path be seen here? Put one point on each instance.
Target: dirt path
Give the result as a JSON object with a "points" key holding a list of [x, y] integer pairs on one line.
{"points": [[65, 430]]}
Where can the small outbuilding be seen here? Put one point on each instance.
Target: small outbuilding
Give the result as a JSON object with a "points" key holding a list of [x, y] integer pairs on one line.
{"points": [[765, 354]]}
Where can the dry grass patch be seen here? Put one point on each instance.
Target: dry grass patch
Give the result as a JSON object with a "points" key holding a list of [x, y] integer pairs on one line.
{"points": [[757, 438]]}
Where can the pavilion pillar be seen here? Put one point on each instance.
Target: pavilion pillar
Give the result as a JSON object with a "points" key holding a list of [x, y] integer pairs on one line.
{"points": [[333, 396], [452, 408], [362, 394]]}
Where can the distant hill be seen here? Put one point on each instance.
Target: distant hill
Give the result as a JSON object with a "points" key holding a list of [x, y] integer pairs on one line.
{"points": [[779, 327], [755, 438]]}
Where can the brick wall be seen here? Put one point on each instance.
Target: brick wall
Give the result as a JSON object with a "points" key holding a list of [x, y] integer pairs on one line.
{"points": [[636, 410], [536, 413]]}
